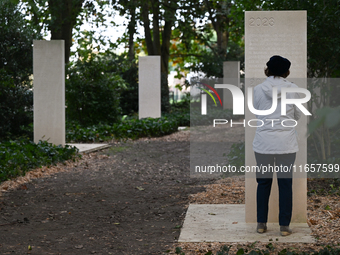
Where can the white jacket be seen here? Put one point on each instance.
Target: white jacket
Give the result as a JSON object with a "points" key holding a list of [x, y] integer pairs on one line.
{"points": [[273, 137]]}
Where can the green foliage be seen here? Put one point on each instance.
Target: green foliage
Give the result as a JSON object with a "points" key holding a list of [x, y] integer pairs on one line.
{"points": [[324, 139], [224, 250], [16, 56], [323, 46], [184, 104], [323, 52], [178, 250], [197, 119], [317, 156], [326, 115], [236, 156], [188, 113], [216, 37], [62, 19], [211, 63], [127, 129], [129, 96], [165, 102], [180, 111], [130, 127], [16, 103], [213, 112], [92, 90], [182, 118], [19, 156], [324, 187]]}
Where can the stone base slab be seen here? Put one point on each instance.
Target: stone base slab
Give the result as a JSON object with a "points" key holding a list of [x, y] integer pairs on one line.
{"points": [[226, 223]]}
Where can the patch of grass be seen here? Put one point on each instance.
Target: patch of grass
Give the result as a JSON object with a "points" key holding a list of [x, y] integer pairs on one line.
{"points": [[114, 150]]}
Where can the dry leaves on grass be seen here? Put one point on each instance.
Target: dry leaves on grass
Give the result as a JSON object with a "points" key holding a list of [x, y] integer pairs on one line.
{"points": [[324, 218], [274, 248], [224, 191]]}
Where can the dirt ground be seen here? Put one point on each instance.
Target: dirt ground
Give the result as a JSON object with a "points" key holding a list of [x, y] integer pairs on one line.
{"points": [[129, 199], [132, 199]]}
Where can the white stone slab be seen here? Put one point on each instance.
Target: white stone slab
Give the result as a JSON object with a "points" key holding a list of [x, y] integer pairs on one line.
{"points": [[269, 33], [149, 88], [89, 147], [226, 223], [49, 91], [231, 75]]}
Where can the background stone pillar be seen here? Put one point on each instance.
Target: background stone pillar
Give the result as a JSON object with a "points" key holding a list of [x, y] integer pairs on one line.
{"points": [[231, 75], [49, 91], [269, 33], [149, 88]]}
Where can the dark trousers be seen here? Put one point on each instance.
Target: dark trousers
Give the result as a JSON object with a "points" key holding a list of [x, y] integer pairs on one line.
{"points": [[284, 180]]}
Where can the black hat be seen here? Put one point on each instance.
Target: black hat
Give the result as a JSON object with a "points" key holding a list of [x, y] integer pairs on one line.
{"points": [[278, 65]]}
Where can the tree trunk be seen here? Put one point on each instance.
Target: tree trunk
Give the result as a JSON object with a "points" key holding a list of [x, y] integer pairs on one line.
{"points": [[156, 30], [220, 22], [169, 17], [146, 25], [160, 45], [63, 18], [132, 31]]}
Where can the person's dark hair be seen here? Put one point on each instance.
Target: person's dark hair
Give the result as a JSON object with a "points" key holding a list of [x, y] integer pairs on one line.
{"points": [[268, 73], [277, 66]]}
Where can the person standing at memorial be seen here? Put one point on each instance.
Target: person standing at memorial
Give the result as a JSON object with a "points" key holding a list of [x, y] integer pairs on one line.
{"points": [[275, 144]]}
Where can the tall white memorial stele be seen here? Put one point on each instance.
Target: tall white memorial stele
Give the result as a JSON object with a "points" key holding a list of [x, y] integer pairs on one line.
{"points": [[49, 91], [269, 33], [231, 75], [149, 88]]}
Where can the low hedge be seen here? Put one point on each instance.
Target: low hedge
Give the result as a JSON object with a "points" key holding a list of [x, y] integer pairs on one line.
{"points": [[127, 129], [19, 156]]}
